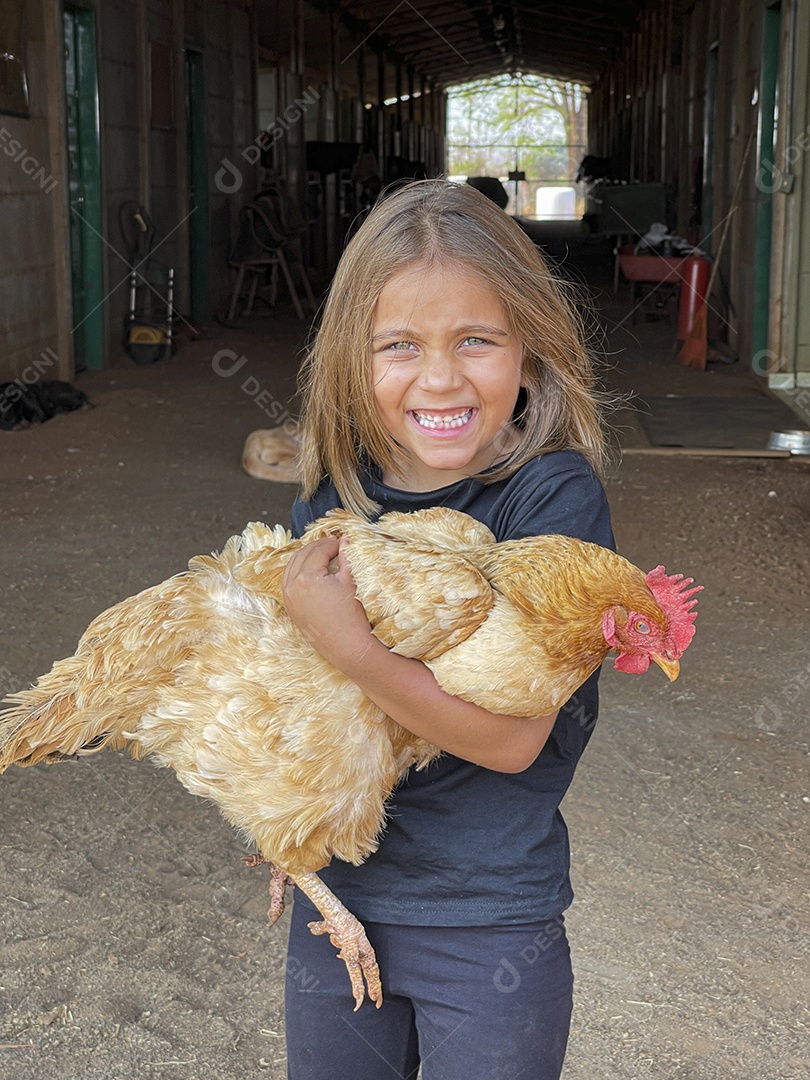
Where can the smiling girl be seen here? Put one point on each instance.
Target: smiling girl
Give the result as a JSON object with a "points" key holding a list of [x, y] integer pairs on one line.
{"points": [[448, 371]]}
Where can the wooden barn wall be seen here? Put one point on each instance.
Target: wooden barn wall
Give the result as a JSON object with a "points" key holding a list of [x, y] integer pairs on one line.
{"points": [[142, 89], [313, 76], [649, 114], [316, 62], [32, 275], [143, 143]]}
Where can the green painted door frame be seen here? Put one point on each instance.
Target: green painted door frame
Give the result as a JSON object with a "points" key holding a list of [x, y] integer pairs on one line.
{"points": [[763, 224], [84, 187], [198, 187]]}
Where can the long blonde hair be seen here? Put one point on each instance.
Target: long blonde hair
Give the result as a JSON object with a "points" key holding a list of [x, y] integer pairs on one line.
{"points": [[432, 221]]}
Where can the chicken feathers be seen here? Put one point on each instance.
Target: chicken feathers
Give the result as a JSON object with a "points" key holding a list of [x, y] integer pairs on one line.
{"points": [[206, 674]]}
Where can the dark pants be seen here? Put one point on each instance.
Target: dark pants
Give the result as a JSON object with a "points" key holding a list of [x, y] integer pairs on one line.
{"points": [[465, 1002]]}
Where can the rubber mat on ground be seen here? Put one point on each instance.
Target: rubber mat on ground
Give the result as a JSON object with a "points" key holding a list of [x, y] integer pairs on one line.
{"points": [[738, 423]]}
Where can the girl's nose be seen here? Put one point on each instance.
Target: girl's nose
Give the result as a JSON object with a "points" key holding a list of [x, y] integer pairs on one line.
{"points": [[439, 372]]}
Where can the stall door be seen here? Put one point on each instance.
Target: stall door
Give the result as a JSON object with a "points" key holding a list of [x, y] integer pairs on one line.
{"points": [[84, 187]]}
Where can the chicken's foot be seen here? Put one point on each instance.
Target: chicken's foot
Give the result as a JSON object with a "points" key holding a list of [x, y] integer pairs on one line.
{"points": [[347, 934], [279, 880]]}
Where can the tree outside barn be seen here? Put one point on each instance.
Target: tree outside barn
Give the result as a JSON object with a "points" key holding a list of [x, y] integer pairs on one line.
{"points": [[516, 124]]}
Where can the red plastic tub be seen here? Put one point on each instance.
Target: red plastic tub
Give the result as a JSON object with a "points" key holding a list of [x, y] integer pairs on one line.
{"points": [[649, 267]]}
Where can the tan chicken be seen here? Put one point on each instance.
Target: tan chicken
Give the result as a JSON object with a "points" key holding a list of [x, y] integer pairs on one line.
{"points": [[270, 453], [207, 674]]}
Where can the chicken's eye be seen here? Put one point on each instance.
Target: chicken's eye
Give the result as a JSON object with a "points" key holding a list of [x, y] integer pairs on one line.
{"points": [[642, 627]]}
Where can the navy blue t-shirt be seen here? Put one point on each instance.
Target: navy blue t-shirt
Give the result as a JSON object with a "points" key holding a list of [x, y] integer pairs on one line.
{"points": [[466, 846]]}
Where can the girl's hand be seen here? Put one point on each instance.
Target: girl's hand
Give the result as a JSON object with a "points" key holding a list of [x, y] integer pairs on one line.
{"points": [[320, 599]]}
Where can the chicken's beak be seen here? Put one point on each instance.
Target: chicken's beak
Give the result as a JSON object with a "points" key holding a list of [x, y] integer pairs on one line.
{"points": [[671, 668]]}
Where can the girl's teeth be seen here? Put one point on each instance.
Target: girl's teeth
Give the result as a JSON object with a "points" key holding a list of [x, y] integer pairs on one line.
{"points": [[443, 421]]}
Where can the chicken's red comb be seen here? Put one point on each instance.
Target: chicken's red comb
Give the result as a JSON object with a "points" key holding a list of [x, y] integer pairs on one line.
{"points": [[672, 594]]}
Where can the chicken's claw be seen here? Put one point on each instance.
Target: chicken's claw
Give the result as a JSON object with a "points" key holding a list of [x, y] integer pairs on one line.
{"points": [[347, 935], [279, 880], [357, 954], [254, 860]]}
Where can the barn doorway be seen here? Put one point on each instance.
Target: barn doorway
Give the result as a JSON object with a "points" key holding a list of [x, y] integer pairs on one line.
{"points": [[529, 132]]}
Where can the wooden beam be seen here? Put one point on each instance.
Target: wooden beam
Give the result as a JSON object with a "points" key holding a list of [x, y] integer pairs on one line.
{"points": [[705, 451]]}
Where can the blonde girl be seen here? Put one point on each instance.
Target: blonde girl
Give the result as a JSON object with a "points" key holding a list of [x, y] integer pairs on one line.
{"points": [[448, 370]]}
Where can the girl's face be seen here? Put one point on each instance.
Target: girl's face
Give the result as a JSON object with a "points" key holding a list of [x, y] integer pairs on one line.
{"points": [[446, 368]]}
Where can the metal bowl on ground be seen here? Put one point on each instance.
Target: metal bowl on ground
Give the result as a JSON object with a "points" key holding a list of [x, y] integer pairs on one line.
{"points": [[797, 442]]}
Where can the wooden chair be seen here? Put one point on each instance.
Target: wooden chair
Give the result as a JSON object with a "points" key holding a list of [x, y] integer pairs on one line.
{"points": [[260, 244], [279, 205]]}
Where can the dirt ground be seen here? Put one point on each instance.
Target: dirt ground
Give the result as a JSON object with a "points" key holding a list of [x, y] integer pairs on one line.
{"points": [[134, 943]]}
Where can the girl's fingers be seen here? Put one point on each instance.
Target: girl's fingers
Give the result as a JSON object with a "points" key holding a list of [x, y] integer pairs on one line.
{"points": [[314, 558], [343, 562], [319, 552], [324, 605]]}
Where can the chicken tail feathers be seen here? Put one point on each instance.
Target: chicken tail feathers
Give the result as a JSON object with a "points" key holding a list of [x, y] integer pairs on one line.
{"points": [[97, 697], [47, 722]]}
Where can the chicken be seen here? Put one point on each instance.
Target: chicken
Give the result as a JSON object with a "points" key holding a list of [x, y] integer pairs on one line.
{"points": [[206, 673], [269, 454]]}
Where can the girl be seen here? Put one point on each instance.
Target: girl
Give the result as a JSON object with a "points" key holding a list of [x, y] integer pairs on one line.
{"points": [[448, 370]]}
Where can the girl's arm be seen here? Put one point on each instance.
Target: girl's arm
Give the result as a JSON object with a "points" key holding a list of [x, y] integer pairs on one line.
{"points": [[325, 608]]}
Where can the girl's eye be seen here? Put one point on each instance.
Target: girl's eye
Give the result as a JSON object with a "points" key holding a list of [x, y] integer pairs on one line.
{"points": [[400, 346], [475, 341], [642, 627]]}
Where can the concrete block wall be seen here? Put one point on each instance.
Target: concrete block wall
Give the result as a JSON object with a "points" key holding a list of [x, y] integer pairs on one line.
{"points": [[29, 338]]}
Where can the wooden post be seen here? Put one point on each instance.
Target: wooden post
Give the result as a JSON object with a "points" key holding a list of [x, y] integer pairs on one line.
{"points": [[381, 124]]}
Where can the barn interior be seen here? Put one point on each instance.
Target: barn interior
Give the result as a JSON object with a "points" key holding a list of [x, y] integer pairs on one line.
{"points": [[134, 940]]}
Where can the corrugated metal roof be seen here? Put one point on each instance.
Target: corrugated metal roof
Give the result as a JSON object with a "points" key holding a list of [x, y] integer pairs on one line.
{"points": [[454, 42]]}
